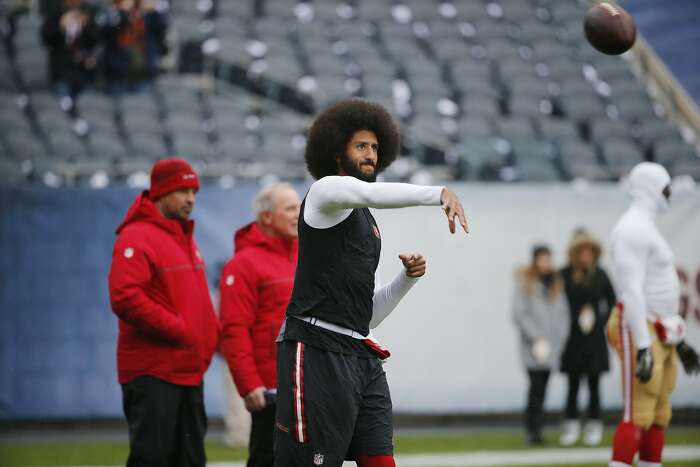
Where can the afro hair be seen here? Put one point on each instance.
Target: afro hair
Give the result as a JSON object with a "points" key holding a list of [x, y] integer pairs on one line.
{"points": [[335, 126]]}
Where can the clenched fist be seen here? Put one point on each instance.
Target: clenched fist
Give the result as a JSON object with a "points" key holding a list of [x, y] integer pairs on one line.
{"points": [[414, 264]]}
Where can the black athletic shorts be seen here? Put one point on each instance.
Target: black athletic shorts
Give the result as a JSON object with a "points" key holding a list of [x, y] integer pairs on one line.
{"points": [[331, 407]]}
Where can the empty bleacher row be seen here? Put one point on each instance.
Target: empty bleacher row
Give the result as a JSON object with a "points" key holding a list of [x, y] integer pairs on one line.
{"points": [[493, 90], [476, 79], [97, 133]]}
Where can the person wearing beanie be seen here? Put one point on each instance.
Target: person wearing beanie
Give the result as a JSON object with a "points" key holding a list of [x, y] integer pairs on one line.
{"points": [[591, 297], [168, 330], [541, 317]]}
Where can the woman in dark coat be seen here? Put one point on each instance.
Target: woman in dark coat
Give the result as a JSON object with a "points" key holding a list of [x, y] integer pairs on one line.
{"points": [[591, 297]]}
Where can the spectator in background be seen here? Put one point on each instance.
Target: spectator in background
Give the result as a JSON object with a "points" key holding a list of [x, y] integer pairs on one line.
{"points": [[256, 286], [542, 318], [134, 43], [591, 297], [168, 330], [73, 39]]}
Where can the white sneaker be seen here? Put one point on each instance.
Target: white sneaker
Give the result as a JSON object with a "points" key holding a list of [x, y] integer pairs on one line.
{"points": [[593, 433], [570, 432]]}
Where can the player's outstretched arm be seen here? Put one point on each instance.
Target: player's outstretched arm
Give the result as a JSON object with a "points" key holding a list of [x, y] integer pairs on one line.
{"points": [[331, 199], [388, 297], [337, 192]]}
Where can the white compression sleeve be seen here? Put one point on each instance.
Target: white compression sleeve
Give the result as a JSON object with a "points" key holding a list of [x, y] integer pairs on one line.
{"points": [[629, 257], [331, 199], [388, 297]]}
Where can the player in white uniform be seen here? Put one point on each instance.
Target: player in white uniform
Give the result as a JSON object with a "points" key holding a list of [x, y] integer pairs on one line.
{"points": [[646, 328]]}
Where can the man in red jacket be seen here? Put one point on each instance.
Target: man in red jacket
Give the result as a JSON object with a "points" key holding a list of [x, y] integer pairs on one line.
{"points": [[255, 288], [167, 327]]}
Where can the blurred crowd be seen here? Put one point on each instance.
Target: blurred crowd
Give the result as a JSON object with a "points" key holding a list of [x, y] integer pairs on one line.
{"points": [[117, 47], [561, 317]]}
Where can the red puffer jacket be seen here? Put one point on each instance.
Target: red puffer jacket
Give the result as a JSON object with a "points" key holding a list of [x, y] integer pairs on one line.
{"points": [[158, 289], [256, 286]]}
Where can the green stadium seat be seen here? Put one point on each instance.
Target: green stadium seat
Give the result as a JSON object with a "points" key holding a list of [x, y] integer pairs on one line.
{"points": [[141, 122], [65, 145], [529, 106], [470, 11], [653, 130], [479, 154], [534, 160], [530, 86], [106, 145], [633, 109], [582, 108], [475, 127], [621, 155], [564, 11], [147, 145], [601, 130], [515, 128], [579, 160], [671, 151], [510, 71], [557, 129], [480, 106]]}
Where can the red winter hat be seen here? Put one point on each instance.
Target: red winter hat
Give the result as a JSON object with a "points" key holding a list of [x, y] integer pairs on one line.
{"points": [[168, 175]]}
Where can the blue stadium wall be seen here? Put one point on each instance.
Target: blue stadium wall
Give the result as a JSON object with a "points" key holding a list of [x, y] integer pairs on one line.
{"points": [[57, 332], [672, 30]]}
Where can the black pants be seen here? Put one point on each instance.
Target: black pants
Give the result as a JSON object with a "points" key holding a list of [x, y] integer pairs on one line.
{"points": [[167, 423], [593, 396], [260, 452], [331, 407], [534, 414]]}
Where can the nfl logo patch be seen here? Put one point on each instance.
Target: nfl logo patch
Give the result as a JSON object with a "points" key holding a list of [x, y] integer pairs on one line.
{"points": [[376, 231], [318, 459]]}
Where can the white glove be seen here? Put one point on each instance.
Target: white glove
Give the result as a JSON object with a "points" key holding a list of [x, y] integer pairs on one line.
{"points": [[671, 329], [541, 349]]}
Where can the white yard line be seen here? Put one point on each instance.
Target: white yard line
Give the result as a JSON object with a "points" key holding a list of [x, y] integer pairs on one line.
{"points": [[534, 457], [513, 458]]}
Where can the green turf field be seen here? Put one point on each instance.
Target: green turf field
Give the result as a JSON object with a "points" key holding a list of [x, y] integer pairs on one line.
{"points": [[666, 464], [114, 452], [509, 440]]}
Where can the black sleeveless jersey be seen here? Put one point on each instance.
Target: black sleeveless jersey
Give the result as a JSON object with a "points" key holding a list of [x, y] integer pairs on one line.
{"points": [[334, 279]]}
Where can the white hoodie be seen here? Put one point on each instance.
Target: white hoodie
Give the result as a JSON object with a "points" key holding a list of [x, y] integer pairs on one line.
{"points": [[645, 275]]}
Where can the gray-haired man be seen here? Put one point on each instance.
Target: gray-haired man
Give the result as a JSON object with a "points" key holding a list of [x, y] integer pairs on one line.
{"points": [[255, 288]]}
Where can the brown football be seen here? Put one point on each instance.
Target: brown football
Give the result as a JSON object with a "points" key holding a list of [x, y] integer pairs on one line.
{"points": [[609, 28]]}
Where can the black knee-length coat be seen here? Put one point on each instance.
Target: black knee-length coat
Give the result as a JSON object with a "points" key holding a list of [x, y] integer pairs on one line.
{"points": [[587, 352]]}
